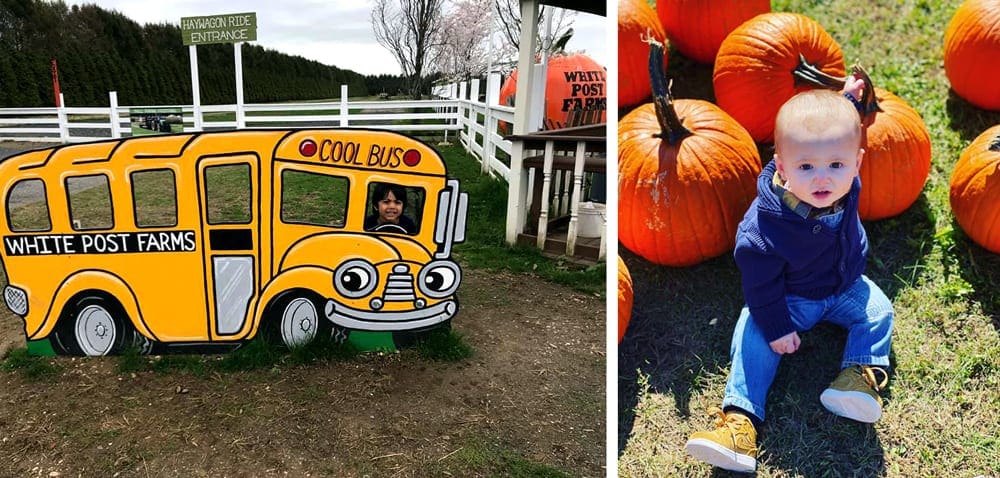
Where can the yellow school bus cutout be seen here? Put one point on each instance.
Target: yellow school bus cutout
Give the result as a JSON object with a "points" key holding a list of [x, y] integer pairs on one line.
{"points": [[213, 238]]}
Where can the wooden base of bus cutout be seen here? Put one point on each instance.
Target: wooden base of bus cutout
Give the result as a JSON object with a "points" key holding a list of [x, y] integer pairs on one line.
{"points": [[202, 242]]}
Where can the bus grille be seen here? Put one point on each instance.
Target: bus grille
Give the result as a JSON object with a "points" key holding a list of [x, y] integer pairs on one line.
{"points": [[399, 285]]}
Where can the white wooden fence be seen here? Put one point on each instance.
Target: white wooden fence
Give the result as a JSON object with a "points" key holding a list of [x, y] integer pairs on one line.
{"points": [[460, 110], [457, 111], [79, 124], [479, 122]]}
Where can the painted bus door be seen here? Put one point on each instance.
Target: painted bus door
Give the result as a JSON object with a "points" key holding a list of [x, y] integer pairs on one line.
{"points": [[228, 193]]}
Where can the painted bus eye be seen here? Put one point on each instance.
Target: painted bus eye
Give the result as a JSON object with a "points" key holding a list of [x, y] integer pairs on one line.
{"points": [[356, 278], [439, 279]]}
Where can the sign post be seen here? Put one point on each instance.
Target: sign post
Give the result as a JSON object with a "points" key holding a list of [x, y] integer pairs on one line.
{"points": [[234, 28], [55, 83]]}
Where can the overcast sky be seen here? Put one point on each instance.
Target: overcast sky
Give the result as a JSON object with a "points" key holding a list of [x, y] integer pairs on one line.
{"points": [[332, 32]]}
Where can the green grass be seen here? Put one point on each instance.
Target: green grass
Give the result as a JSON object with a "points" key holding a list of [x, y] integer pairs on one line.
{"points": [[258, 354], [29, 366], [489, 458], [943, 399], [444, 346], [485, 246]]}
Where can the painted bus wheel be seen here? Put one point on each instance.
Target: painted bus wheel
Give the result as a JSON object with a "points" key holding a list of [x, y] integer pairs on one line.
{"points": [[298, 321], [92, 326]]}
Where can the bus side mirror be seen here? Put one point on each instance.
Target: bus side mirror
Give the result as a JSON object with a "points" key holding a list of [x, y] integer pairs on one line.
{"points": [[449, 228], [463, 206]]}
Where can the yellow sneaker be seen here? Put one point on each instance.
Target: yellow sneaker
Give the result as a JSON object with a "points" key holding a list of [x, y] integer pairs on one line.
{"points": [[731, 446], [854, 394]]}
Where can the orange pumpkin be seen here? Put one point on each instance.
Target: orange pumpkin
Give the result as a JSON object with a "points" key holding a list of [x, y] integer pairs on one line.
{"points": [[637, 22], [686, 174], [756, 68], [624, 298], [696, 27], [972, 52], [575, 91], [975, 190]]}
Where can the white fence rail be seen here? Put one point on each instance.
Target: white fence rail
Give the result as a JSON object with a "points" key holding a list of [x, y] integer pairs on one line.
{"points": [[80, 124], [456, 111]]}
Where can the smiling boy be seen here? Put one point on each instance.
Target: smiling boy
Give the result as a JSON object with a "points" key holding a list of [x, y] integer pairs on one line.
{"points": [[801, 252]]}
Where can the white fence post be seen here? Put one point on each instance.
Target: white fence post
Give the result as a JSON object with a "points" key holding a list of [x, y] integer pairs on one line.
{"points": [[116, 131], [463, 87], [63, 121], [344, 112], [473, 113], [492, 100]]}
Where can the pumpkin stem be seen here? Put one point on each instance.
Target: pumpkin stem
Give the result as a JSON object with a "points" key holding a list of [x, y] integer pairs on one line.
{"points": [[671, 129], [807, 73]]}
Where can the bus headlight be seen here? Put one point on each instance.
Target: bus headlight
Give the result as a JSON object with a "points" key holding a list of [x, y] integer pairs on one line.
{"points": [[355, 278], [16, 299], [439, 279]]}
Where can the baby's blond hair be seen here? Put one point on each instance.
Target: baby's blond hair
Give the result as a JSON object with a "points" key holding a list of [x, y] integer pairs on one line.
{"points": [[817, 113]]}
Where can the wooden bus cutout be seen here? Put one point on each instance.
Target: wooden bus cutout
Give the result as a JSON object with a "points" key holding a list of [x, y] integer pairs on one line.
{"points": [[195, 241]]}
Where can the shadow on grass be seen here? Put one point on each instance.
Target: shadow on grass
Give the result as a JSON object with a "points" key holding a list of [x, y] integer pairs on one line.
{"points": [[967, 119], [680, 330], [981, 269], [897, 247]]}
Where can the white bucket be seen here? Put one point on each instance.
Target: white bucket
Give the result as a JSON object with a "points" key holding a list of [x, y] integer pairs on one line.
{"points": [[590, 220]]}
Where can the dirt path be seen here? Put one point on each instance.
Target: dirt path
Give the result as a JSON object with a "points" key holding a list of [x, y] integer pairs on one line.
{"points": [[533, 393]]}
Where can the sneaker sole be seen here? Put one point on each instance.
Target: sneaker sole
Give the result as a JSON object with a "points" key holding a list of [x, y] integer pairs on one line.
{"points": [[857, 406], [719, 456]]}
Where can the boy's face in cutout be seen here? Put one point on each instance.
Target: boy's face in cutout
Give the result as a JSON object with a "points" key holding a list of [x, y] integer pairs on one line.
{"points": [[389, 208], [818, 168]]}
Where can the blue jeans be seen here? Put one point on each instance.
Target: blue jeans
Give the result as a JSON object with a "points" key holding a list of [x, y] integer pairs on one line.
{"points": [[863, 310]]}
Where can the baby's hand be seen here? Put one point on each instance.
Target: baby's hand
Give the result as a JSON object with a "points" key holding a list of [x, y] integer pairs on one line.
{"points": [[787, 344], [853, 85]]}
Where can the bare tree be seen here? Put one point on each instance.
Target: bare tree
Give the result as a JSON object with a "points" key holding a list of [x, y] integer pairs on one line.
{"points": [[410, 29], [509, 20]]}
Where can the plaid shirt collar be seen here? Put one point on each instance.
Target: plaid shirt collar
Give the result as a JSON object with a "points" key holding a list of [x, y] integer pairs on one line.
{"points": [[800, 207]]}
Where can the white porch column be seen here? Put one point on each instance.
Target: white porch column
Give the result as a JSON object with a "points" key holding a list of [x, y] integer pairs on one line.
{"points": [[518, 185]]}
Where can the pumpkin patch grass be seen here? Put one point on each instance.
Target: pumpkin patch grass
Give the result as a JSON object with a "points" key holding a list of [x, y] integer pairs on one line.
{"points": [[943, 398]]}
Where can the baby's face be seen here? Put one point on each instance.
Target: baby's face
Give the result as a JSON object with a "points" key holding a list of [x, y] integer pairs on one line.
{"points": [[818, 168]]}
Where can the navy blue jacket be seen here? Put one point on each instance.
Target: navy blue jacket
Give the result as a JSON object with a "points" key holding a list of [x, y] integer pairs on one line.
{"points": [[780, 252]]}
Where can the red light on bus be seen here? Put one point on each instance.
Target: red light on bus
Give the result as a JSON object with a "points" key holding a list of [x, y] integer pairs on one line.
{"points": [[411, 157], [307, 147]]}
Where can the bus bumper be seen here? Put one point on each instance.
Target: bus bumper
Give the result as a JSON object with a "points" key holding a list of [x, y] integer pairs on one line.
{"points": [[388, 321]]}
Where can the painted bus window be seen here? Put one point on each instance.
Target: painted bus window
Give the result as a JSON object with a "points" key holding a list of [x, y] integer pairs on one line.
{"points": [[27, 206], [89, 202], [313, 198], [154, 197], [394, 208], [228, 193], [200, 242]]}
